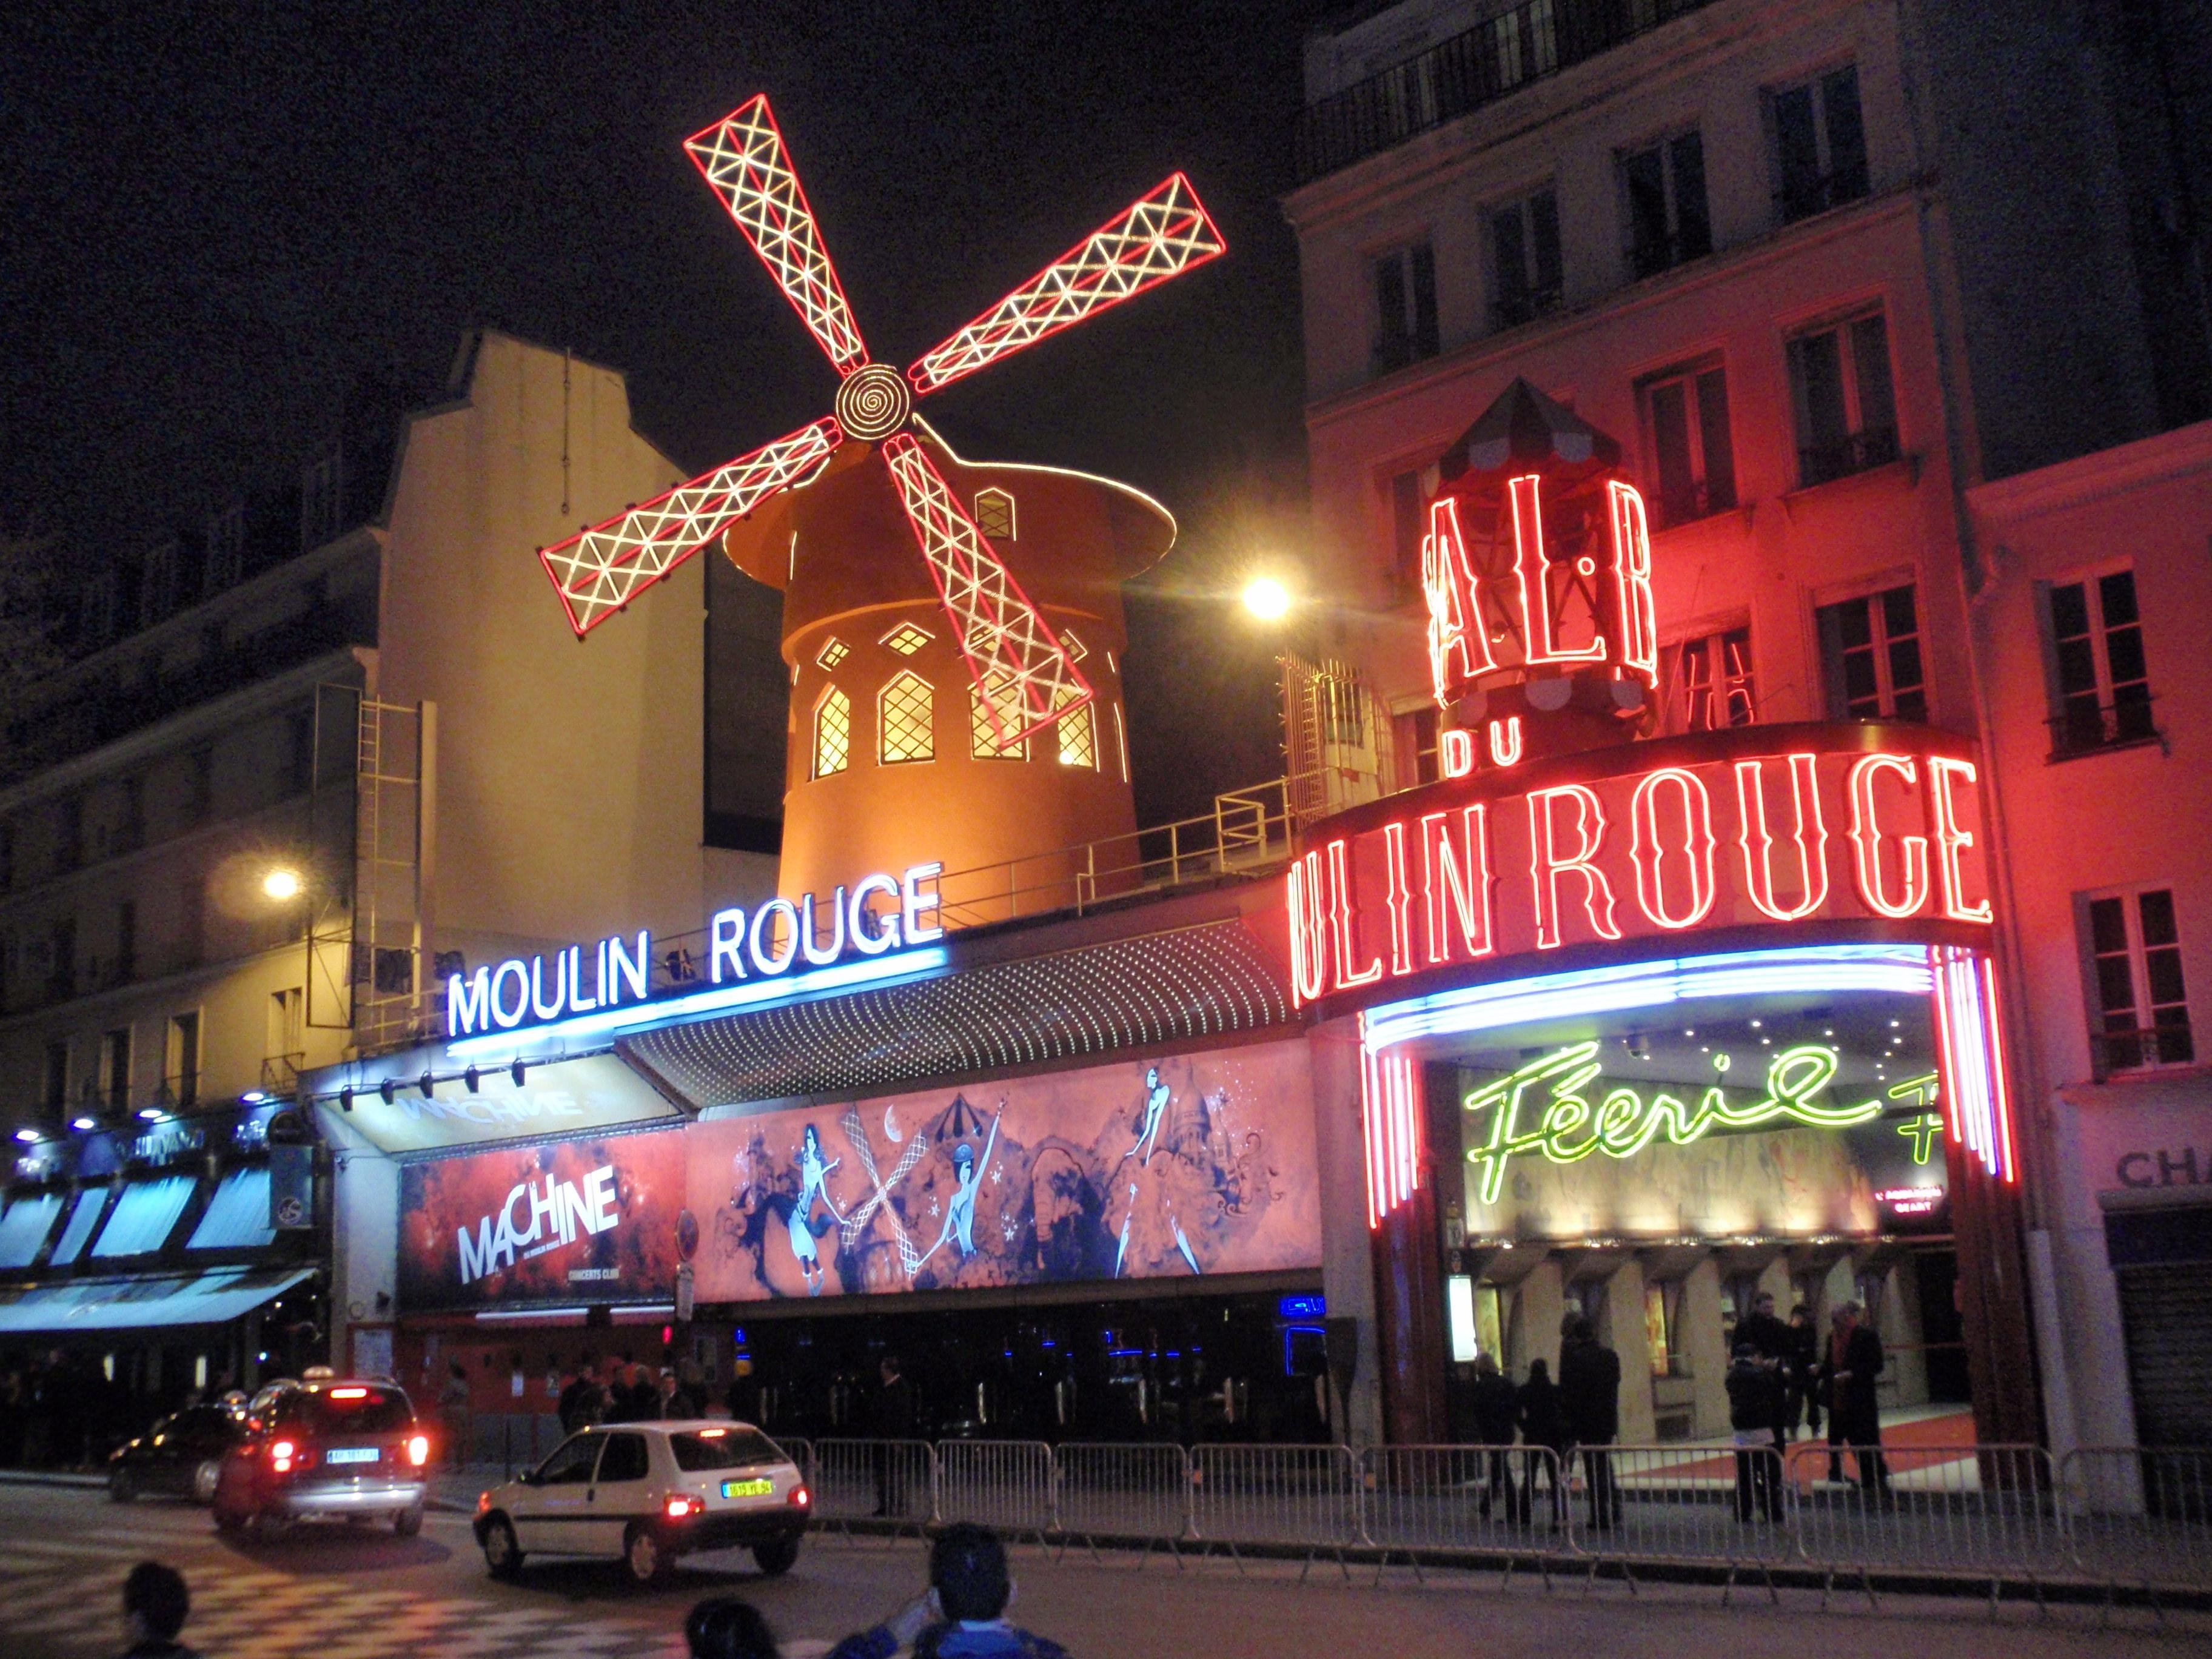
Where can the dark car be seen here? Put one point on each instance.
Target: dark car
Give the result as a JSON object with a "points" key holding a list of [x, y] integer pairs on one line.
{"points": [[326, 1450], [179, 1456]]}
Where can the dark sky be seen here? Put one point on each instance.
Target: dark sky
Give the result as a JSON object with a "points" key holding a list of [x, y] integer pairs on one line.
{"points": [[217, 216]]}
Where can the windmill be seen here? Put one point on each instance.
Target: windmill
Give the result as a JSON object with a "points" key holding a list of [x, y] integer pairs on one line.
{"points": [[1025, 678]]}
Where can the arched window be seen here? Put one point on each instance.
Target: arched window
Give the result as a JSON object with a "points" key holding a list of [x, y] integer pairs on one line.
{"points": [[833, 732], [906, 718], [983, 739], [1078, 733]]}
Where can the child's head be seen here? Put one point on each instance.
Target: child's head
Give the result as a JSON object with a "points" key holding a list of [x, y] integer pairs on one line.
{"points": [[155, 1601], [724, 1627], [968, 1570]]}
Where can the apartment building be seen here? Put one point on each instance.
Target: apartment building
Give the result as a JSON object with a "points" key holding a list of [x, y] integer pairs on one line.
{"points": [[1726, 233]]}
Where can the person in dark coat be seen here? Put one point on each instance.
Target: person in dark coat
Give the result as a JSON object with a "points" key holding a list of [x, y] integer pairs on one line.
{"points": [[1803, 1401], [891, 1417], [1543, 1429], [1497, 1415], [1754, 1384], [1590, 1395], [1769, 1339], [1850, 1367], [583, 1402]]}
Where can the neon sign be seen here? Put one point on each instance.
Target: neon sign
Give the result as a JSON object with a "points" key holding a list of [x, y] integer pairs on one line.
{"points": [[880, 914], [1548, 1106], [1773, 825]]}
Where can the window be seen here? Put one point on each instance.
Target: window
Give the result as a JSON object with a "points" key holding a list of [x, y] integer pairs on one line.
{"points": [[53, 1087], [127, 943], [906, 639], [199, 785], [284, 1040], [2135, 961], [299, 751], [1524, 260], [1078, 732], [1409, 525], [994, 514], [733, 1447], [1704, 682], [982, 739], [906, 717], [226, 546], [7, 855], [833, 651], [1416, 747], [157, 583], [115, 1068], [624, 1459], [1685, 424], [192, 920], [833, 732], [2102, 679], [1664, 188], [61, 958], [69, 834], [572, 1461], [1870, 658], [1840, 388], [1820, 145], [96, 617], [319, 502], [1405, 307], [180, 1064], [130, 815]]}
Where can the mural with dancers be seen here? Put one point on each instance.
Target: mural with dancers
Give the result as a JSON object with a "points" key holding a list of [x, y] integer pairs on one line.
{"points": [[1190, 1164]]}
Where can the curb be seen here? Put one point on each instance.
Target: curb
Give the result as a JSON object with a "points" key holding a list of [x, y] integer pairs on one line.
{"points": [[53, 1478]]}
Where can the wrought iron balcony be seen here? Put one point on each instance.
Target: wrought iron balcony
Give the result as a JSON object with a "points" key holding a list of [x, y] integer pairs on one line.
{"points": [[2086, 725], [1862, 452], [1455, 77], [1511, 310], [1811, 196], [2139, 1050]]}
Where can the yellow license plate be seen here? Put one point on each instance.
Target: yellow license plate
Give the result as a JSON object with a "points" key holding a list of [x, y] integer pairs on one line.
{"points": [[749, 1489]]}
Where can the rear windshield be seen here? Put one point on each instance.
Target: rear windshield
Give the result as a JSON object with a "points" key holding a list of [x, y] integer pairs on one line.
{"points": [[724, 1449], [374, 1411]]}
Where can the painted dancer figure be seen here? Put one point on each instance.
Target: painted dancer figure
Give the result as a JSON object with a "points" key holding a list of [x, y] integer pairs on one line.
{"points": [[813, 1176], [960, 1208], [1156, 1095]]}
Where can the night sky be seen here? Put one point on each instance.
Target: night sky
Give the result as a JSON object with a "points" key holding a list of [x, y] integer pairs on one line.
{"points": [[218, 215]]}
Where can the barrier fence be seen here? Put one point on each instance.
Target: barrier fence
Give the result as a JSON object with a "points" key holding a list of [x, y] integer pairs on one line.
{"points": [[2111, 1516]]}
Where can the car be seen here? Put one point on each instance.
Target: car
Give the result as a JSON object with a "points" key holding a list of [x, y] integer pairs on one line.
{"points": [[180, 1456], [648, 1493], [325, 1449]]}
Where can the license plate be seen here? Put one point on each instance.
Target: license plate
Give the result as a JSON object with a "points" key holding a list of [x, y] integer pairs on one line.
{"points": [[354, 1455], [749, 1489]]}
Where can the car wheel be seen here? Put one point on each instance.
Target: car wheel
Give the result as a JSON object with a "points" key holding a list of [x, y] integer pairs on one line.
{"points": [[502, 1555], [205, 1479], [408, 1522], [775, 1557], [643, 1553], [121, 1487]]}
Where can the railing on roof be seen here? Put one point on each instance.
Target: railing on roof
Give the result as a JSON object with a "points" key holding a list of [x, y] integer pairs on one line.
{"points": [[1505, 51]]}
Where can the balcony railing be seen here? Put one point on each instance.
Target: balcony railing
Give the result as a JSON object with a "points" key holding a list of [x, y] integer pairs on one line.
{"points": [[2086, 725], [1656, 253], [2140, 1049], [1688, 503], [1511, 310], [1862, 452], [1811, 196], [1500, 55]]}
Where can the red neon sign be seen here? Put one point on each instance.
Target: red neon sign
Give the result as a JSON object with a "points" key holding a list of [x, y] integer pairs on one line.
{"points": [[1706, 832]]}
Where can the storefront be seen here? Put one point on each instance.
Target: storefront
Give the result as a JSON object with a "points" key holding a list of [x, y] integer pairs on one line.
{"points": [[138, 1270], [1070, 1181]]}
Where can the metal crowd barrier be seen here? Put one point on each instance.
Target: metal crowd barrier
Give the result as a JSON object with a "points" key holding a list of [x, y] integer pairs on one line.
{"points": [[2112, 1516]]}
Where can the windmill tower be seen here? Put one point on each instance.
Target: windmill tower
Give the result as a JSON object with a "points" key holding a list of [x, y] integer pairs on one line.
{"points": [[944, 707]]}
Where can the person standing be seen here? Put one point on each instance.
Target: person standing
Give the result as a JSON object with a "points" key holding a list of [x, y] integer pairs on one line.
{"points": [[582, 1402], [454, 1414], [1769, 1339], [1803, 1399], [1543, 1429], [891, 1419], [1850, 1369], [1590, 1394], [1754, 1387], [1497, 1413]]}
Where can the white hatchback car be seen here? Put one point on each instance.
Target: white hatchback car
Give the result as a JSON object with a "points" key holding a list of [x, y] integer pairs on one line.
{"points": [[646, 1494]]}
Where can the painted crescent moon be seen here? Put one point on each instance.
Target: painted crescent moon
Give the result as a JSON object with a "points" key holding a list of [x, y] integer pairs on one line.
{"points": [[890, 1123]]}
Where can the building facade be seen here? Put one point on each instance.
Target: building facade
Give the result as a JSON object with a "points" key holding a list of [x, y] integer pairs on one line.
{"points": [[1729, 235]]}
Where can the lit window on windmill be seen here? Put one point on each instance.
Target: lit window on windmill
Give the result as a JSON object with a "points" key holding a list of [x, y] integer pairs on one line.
{"points": [[906, 639], [835, 652], [833, 732], [1077, 650], [982, 739], [906, 713], [1078, 732], [994, 514]]}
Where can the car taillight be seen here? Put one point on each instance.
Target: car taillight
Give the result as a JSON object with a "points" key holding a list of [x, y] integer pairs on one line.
{"points": [[484, 1502], [800, 1498], [418, 1450], [281, 1454], [679, 1507]]}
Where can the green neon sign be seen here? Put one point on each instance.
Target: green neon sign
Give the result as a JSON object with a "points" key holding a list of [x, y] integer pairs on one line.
{"points": [[1547, 1107]]}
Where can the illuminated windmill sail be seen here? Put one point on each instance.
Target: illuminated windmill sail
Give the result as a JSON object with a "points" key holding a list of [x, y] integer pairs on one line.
{"points": [[1026, 678]]}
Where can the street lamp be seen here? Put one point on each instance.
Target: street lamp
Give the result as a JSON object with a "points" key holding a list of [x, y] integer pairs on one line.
{"points": [[1266, 599], [281, 884]]}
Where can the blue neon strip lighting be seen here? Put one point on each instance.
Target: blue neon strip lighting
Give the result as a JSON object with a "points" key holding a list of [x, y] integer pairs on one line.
{"points": [[1818, 970], [721, 1000]]}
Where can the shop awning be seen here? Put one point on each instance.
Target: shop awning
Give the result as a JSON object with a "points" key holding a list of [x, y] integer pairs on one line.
{"points": [[25, 1227], [238, 1216], [117, 1304]]}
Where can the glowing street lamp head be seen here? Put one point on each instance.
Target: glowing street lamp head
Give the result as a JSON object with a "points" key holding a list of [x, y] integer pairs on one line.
{"points": [[1266, 599], [281, 884]]}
